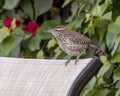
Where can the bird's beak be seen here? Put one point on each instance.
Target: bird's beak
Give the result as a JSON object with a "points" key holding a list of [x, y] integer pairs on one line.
{"points": [[49, 31]]}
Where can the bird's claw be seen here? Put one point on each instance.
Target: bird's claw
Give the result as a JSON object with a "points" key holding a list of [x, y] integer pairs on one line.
{"points": [[66, 63], [76, 61]]}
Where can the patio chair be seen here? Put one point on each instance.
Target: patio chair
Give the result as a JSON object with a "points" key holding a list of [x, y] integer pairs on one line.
{"points": [[43, 77]]}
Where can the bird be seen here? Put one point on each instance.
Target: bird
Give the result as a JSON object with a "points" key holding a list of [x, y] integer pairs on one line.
{"points": [[73, 43]]}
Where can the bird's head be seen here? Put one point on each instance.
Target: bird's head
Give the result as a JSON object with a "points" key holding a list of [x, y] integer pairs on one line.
{"points": [[58, 30]]}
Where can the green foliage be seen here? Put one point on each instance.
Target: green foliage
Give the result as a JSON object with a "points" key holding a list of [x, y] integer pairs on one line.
{"points": [[4, 32], [46, 26], [51, 43], [10, 4], [42, 6], [100, 26], [116, 58], [34, 42], [97, 19], [66, 2], [7, 45], [27, 9], [40, 54]]}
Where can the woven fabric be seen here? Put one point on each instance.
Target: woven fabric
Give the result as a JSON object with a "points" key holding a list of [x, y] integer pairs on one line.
{"points": [[33, 77]]}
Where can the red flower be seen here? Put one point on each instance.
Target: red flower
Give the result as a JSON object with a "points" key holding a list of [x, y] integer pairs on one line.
{"points": [[17, 22], [31, 27], [8, 22]]}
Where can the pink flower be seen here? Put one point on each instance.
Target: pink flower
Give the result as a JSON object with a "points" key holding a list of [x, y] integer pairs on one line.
{"points": [[8, 21], [31, 27]]}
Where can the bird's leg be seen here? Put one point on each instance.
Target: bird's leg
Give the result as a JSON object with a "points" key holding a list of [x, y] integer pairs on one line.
{"points": [[77, 59], [66, 63]]}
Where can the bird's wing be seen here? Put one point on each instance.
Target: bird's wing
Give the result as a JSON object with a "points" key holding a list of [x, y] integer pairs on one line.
{"points": [[77, 38]]}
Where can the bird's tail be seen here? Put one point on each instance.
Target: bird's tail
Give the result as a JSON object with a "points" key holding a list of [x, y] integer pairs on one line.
{"points": [[97, 50]]}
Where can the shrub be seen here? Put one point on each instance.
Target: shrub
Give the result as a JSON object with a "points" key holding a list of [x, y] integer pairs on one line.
{"points": [[23, 25]]}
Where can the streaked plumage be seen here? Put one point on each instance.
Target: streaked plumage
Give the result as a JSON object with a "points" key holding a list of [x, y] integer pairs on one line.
{"points": [[73, 43]]}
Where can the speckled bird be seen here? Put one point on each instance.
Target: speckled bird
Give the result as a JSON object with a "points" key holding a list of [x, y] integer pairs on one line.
{"points": [[73, 43]]}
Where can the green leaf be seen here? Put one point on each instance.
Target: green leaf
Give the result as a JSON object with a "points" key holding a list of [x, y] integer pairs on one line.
{"points": [[74, 8], [18, 32], [116, 58], [105, 60], [99, 92], [113, 28], [105, 67], [103, 70], [104, 7], [100, 9], [46, 26], [34, 43], [88, 17], [92, 25], [26, 5], [101, 33], [27, 36], [97, 10], [117, 86], [66, 2], [7, 45], [117, 43], [118, 83], [51, 43], [4, 33], [42, 6], [117, 72], [117, 92], [108, 74], [18, 35], [15, 52], [77, 22], [107, 15], [59, 54], [98, 1], [103, 23], [118, 20], [40, 54], [57, 51], [10, 4], [109, 41]]}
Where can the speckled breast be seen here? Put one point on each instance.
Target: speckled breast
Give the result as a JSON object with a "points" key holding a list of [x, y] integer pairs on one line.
{"points": [[70, 48]]}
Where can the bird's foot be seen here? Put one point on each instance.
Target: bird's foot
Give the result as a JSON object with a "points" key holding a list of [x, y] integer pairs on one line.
{"points": [[76, 61], [66, 63]]}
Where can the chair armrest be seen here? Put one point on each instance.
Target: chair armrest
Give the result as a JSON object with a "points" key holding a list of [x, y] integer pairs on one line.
{"points": [[85, 75]]}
